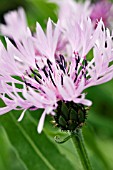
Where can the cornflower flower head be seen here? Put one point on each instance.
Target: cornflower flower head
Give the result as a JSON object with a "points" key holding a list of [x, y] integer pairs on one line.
{"points": [[53, 78]]}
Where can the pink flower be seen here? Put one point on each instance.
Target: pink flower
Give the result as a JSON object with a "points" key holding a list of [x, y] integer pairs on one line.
{"points": [[102, 9], [15, 23], [72, 11], [75, 11], [54, 74]]}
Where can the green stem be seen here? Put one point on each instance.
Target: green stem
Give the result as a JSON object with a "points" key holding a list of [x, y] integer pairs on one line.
{"points": [[78, 141]]}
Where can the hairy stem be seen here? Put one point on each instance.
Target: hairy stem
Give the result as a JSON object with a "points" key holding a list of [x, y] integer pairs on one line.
{"points": [[78, 141]]}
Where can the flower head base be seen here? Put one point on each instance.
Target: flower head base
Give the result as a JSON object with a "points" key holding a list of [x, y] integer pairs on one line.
{"points": [[70, 116]]}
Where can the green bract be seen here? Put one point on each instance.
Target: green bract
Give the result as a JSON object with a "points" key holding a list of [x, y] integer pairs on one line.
{"points": [[70, 116]]}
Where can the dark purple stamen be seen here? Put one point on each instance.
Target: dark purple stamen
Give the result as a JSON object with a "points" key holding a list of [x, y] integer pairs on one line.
{"points": [[32, 71], [82, 70], [28, 74], [62, 68], [52, 79], [39, 76], [28, 84], [35, 74], [62, 63], [85, 62], [77, 59], [105, 44], [35, 77], [49, 64], [61, 80], [32, 108], [44, 70], [62, 59]]}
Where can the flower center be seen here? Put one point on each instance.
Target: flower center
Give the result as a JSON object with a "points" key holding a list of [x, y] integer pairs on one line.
{"points": [[75, 69], [48, 75]]}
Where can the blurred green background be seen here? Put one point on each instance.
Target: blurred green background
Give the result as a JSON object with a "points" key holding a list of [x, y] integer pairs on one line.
{"points": [[22, 148]]}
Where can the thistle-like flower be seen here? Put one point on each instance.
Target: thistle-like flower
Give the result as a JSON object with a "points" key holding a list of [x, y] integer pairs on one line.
{"points": [[52, 69]]}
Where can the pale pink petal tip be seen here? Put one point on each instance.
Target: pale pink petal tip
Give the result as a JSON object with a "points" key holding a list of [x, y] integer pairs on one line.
{"points": [[22, 115], [41, 123]]}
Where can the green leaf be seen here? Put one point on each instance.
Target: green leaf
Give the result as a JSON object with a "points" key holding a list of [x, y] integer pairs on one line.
{"points": [[40, 11], [97, 158], [34, 150], [8, 154]]}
